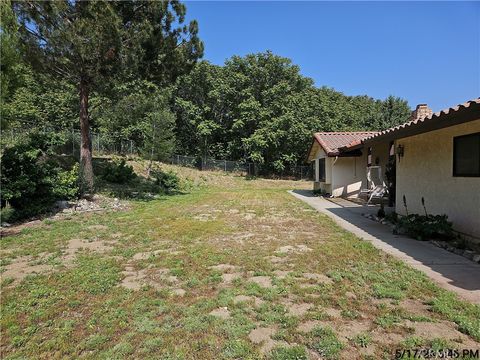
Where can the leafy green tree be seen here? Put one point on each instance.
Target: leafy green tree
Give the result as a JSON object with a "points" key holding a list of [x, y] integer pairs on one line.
{"points": [[260, 108], [139, 113], [11, 56], [40, 102], [394, 111], [88, 42]]}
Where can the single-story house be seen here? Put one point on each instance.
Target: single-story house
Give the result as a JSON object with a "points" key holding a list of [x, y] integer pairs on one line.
{"points": [[434, 155]]}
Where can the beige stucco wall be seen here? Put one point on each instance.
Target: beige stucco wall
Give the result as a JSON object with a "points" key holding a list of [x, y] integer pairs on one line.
{"points": [[323, 185], [346, 176], [426, 170], [349, 174]]}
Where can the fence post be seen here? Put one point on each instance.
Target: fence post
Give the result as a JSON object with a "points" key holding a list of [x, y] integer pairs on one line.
{"points": [[225, 165]]}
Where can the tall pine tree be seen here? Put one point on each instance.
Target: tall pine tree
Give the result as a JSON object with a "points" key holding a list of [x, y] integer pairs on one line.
{"points": [[88, 43]]}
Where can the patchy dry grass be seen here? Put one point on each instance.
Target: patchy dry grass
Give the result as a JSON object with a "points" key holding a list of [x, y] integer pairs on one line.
{"points": [[232, 269]]}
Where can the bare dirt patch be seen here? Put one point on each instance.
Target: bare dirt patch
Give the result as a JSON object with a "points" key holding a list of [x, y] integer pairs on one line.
{"points": [[227, 279], [299, 309], [97, 227], [133, 280], [179, 292], [243, 298], [415, 307], [309, 325], [293, 249], [350, 329], [157, 278], [281, 274], [223, 267], [249, 216], [205, 217], [276, 259], [320, 278], [383, 337], [149, 254], [443, 329], [75, 245], [333, 313], [350, 295], [263, 336], [221, 313], [17, 229], [22, 266], [263, 281], [236, 238]]}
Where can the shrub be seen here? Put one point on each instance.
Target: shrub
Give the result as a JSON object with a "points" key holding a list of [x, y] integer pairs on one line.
{"points": [[168, 181], [381, 212], [31, 179], [392, 217], [424, 227], [66, 184], [319, 192], [118, 172]]}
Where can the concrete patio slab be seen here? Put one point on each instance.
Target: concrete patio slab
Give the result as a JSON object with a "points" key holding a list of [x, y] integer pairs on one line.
{"points": [[450, 271]]}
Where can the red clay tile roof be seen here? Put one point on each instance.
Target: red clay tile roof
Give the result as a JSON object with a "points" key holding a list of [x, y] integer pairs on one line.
{"points": [[424, 120], [332, 141]]}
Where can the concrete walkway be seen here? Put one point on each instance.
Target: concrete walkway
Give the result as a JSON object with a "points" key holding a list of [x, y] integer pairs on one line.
{"points": [[450, 271]]}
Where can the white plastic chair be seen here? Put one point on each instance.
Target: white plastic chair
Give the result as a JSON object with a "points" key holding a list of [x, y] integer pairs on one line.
{"points": [[377, 189]]}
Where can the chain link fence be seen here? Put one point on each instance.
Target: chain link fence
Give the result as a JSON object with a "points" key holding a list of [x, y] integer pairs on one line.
{"points": [[303, 172], [102, 144], [108, 144]]}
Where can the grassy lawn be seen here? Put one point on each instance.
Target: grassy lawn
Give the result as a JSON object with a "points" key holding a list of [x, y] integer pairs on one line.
{"points": [[233, 269]]}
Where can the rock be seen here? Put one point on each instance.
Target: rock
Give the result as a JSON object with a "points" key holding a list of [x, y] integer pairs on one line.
{"points": [[62, 204], [6, 225], [476, 258], [442, 244], [468, 254]]}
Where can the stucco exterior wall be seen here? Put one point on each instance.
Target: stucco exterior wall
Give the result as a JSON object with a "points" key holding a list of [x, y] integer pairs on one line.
{"points": [[346, 176], [349, 174], [426, 169], [323, 185]]}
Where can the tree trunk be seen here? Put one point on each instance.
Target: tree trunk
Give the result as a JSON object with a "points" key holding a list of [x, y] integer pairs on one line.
{"points": [[86, 168]]}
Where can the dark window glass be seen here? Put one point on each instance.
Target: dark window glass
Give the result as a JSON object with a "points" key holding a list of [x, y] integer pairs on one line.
{"points": [[466, 155], [321, 169]]}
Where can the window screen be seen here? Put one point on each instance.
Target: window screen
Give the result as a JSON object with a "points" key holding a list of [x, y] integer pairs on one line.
{"points": [[466, 155]]}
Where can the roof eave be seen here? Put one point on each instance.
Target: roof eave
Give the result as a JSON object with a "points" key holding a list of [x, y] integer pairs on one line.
{"points": [[454, 116]]}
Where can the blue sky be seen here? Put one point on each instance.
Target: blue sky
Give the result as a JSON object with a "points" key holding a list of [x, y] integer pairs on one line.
{"points": [[425, 52]]}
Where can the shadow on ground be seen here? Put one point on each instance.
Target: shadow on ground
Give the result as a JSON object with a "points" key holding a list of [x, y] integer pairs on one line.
{"points": [[444, 267]]}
